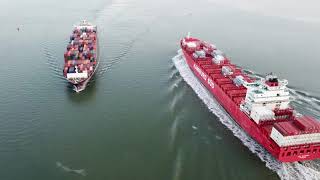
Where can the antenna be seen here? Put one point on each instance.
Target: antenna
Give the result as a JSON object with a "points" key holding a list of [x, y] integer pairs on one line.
{"points": [[188, 36]]}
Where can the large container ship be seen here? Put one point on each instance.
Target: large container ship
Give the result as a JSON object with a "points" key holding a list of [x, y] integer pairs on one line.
{"points": [[81, 56], [260, 107]]}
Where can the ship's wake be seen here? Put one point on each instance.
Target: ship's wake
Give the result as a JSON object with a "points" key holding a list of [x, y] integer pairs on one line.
{"points": [[305, 170], [79, 88], [115, 19], [53, 64]]}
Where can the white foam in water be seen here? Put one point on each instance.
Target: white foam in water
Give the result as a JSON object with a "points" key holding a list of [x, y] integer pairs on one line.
{"points": [[79, 88], [195, 127], [284, 170], [67, 169], [175, 84], [173, 132], [316, 100], [178, 166], [218, 137], [305, 102]]}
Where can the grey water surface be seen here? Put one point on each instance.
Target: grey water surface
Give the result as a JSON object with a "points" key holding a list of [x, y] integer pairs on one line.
{"points": [[138, 119]]}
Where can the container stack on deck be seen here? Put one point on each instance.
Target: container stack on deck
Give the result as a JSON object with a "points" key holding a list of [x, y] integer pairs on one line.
{"points": [[236, 93], [81, 51]]}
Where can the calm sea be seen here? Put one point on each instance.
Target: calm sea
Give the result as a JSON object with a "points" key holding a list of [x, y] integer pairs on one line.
{"points": [[143, 116]]}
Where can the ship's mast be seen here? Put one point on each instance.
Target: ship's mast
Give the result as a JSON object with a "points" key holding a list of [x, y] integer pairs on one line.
{"points": [[188, 36]]}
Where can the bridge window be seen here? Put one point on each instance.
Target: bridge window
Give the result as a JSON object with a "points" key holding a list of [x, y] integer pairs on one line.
{"points": [[295, 153], [302, 151], [314, 150], [288, 153]]}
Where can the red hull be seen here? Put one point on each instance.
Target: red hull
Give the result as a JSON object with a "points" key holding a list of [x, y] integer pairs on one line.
{"points": [[260, 133]]}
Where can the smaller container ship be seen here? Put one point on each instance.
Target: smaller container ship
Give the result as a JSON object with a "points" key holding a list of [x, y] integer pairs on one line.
{"points": [[260, 107], [81, 56]]}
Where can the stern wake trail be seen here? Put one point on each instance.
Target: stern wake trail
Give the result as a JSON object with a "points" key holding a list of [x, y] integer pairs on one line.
{"points": [[110, 23], [106, 18], [306, 170]]}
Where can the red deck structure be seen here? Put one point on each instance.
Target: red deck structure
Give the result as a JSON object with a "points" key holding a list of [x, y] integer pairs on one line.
{"points": [[260, 108]]}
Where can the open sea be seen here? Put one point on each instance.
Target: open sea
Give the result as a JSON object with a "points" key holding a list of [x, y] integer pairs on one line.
{"points": [[144, 116]]}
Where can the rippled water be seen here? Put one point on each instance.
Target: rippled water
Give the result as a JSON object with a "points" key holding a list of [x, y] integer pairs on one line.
{"points": [[141, 117]]}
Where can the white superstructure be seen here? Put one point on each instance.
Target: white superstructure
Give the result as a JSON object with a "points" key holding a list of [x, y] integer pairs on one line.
{"points": [[77, 75], [264, 96], [85, 24]]}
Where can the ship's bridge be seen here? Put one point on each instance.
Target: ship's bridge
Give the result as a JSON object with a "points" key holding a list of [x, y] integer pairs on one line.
{"points": [[264, 97]]}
